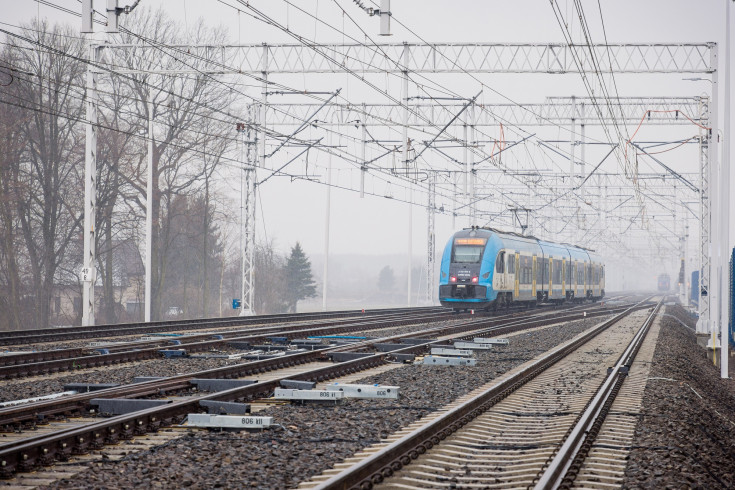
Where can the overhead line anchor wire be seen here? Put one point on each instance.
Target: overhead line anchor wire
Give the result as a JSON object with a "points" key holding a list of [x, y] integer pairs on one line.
{"points": [[668, 169], [304, 124], [464, 108], [289, 162], [598, 166]]}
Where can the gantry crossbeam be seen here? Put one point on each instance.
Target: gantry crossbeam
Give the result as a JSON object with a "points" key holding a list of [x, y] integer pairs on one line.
{"points": [[554, 111], [453, 58]]}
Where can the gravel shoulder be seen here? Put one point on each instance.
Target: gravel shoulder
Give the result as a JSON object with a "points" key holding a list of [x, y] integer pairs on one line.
{"points": [[685, 437]]}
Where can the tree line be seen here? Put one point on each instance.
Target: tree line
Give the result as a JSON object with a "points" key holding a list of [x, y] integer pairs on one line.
{"points": [[195, 260]]}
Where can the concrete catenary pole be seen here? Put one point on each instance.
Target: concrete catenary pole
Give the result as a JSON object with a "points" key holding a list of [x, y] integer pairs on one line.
{"points": [[89, 269], [570, 199], [149, 215], [714, 289], [405, 164], [328, 204], [431, 239]]}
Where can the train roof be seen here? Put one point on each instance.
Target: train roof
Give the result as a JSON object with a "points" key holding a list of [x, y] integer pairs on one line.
{"points": [[527, 237]]}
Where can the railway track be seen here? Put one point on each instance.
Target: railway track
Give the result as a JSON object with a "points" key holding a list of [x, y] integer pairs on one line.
{"points": [[120, 330], [37, 363], [29, 413], [533, 427], [23, 455]]}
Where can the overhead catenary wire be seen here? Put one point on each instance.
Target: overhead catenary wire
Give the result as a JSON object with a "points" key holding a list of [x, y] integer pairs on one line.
{"points": [[256, 17], [301, 39], [465, 143], [55, 51]]}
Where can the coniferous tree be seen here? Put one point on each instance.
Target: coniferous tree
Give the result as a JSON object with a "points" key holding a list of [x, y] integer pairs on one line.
{"points": [[386, 279], [299, 281]]}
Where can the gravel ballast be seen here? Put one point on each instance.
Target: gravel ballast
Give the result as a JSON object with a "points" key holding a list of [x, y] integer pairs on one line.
{"points": [[685, 437], [123, 374], [313, 438]]}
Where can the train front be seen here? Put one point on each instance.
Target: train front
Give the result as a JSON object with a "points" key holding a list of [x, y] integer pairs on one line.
{"points": [[466, 277]]}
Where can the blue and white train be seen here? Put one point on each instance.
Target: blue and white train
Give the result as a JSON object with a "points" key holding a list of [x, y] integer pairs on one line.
{"points": [[485, 268]]}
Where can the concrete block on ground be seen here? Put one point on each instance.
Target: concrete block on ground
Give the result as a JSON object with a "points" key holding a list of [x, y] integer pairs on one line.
{"points": [[120, 406], [389, 347], [239, 345], [206, 384], [403, 357], [87, 387], [238, 422], [416, 341], [296, 384], [347, 356], [143, 379], [447, 361], [220, 408]]}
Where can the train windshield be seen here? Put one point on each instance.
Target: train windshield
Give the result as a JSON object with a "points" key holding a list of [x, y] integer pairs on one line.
{"points": [[468, 250]]}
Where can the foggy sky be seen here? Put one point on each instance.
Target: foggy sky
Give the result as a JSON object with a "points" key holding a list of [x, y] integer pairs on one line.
{"points": [[295, 211]]}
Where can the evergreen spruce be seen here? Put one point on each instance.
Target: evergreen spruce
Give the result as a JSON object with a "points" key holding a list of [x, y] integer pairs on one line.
{"points": [[299, 281], [386, 279]]}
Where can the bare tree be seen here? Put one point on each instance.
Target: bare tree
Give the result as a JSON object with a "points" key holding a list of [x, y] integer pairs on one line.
{"points": [[119, 147], [48, 170], [269, 279], [185, 110], [11, 145]]}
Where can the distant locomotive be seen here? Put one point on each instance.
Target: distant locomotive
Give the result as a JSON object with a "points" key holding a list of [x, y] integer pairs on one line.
{"points": [[664, 282], [485, 268]]}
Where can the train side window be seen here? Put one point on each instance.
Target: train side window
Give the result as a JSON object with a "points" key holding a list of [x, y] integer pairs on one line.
{"points": [[511, 264], [500, 263], [539, 275]]}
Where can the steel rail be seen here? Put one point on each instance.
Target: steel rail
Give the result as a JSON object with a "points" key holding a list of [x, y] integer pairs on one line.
{"points": [[564, 467], [44, 408], [37, 362], [385, 462], [163, 342], [27, 453], [122, 329], [133, 355], [80, 402]]}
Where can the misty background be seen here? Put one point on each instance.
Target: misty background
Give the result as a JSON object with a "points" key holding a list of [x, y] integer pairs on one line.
{"points": [[371, 233]]}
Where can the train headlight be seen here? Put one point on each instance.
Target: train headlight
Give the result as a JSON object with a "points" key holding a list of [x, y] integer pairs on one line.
{"points": [[475, 279], [452, 279]]}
